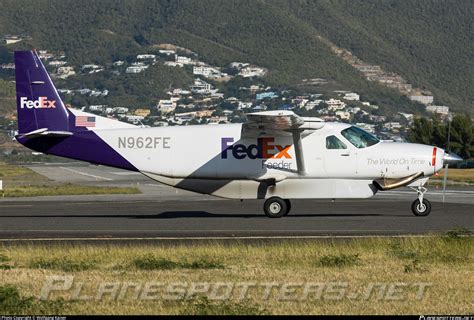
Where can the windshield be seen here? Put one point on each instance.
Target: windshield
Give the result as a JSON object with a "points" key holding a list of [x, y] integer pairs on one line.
{"points": [[359, 138]]}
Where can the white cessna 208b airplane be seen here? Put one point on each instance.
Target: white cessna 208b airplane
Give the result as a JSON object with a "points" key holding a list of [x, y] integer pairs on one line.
{"points": [[275, 155]]}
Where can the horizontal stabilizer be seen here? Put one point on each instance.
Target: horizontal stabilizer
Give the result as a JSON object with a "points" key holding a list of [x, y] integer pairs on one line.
{"points": [[45, 132]]}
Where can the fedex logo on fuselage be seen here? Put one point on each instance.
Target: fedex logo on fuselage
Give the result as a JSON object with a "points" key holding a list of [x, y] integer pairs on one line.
{"points": [[264, 149], [41, 103]]}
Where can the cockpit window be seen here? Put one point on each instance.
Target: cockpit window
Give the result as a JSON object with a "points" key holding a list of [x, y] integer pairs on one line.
{"points": [[332, 142], [359, 138]]}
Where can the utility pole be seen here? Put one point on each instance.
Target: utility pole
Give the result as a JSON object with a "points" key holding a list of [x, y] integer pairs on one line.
{"points": [[445, 180]]}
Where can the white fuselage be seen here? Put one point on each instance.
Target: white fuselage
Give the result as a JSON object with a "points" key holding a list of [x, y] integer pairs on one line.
{"points": [[216, 159]]}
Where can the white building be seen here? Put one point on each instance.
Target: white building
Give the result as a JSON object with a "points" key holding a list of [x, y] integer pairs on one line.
{"points": [[248, 72], [120, 110], [146, 56], [98, 93], [255, 88], [83, 91], [343, 115], [7, 66], [351, 96], [206, 71], [65, 72], [392, 126], [366, 126], [45, 55], [299, 102], [134, 119], [376, 118], [422, 99], [353, 110], [443, 110], [66, 91], [216, 95], [91, 66], [57, 63], [218, 119], [335, 104], [97, 108], [173, 64], [238, 65], [166, 106], [312, 104], [244, 105], [118, 63], [167, 52], [201, 87], [96, 70], [11, 39], [182, 59], [136, 68], [179, 92]]}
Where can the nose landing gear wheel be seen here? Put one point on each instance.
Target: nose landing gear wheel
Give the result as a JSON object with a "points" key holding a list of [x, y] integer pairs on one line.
{"points": [[421, 209], [276, 207]]}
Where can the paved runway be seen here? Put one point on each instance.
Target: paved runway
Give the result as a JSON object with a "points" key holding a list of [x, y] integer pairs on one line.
{"points": [[165, 212]]}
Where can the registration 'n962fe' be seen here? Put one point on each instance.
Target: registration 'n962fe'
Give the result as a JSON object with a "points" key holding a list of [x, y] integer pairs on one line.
{"points": [[144, 142]]}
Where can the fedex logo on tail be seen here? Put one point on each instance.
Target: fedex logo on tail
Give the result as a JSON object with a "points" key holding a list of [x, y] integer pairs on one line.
{"points": [[264, 149], [40, 103]]}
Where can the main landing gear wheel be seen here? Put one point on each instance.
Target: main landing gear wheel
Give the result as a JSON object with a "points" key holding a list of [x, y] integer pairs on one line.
{"points": [[421, 207], [276, 207]]}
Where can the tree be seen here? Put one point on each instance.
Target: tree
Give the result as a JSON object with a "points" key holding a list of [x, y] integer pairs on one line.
{"points": [[461, 135], [433, 132], [439, 133], [421, 132]]}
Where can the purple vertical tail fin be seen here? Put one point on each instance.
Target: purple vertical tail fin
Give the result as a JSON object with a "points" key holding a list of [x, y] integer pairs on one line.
{"points": [[38, 103]]}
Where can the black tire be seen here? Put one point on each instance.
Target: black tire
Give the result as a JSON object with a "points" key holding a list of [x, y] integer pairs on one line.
{"points": [[288, 204], [275, 207], [421, 210]]}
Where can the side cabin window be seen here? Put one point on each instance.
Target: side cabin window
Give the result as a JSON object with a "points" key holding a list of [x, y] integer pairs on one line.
{"points": [[332, 142], [359, 138]]}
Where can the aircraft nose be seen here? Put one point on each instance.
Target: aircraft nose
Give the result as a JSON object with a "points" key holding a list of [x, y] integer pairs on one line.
{"points": [[451, 158]]}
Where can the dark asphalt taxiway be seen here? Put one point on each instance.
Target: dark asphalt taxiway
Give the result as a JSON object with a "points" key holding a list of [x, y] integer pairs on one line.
{"points": [[161, 211], [222, 218]]}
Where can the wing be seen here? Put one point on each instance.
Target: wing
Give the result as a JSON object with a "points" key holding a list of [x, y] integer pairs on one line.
{"points": [[273, 120], [282, 123]]}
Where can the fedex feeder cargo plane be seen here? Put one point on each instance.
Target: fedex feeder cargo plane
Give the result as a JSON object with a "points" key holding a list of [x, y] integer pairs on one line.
{"points": [[275, 156]]}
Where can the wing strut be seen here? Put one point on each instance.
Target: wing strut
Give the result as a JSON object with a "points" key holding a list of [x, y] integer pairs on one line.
{"points": [[299, 152]]}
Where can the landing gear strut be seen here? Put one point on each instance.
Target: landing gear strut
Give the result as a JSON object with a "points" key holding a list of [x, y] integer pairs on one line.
{"points": [[421, 207], [276, 207]]}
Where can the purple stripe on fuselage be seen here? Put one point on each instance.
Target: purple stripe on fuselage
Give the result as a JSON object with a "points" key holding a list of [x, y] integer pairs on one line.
{"points": [[85, 146]]}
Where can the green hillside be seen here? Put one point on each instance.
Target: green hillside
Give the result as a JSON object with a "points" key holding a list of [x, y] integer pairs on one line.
{"points": [[430, 43]]}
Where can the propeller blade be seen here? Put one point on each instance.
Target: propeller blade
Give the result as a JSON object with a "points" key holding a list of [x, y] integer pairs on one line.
{"points": [[451, 158]]}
